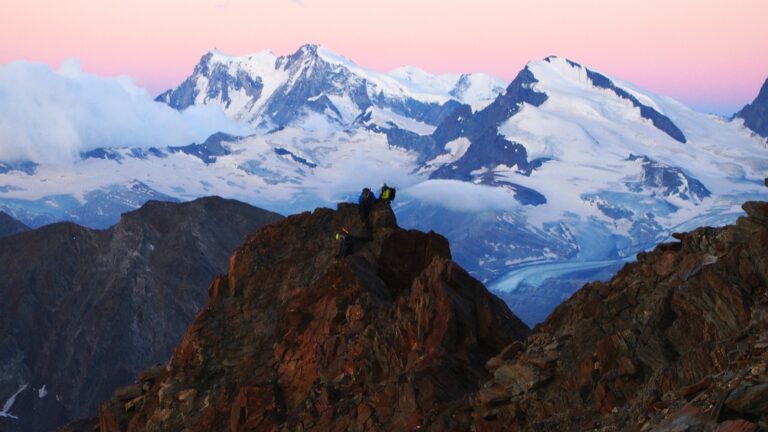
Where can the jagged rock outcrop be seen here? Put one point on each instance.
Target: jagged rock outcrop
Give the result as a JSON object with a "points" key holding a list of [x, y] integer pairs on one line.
{"points": [[676, 341], [10, 226], [394, 336], [755, 115], [82, 311]]}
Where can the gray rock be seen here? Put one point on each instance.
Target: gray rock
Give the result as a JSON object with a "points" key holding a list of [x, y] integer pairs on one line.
{"points": [[84, 311]]}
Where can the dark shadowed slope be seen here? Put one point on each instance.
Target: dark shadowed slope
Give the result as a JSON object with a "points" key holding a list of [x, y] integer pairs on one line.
{"points": [[83, 311], [10, 226], [755, 115]]}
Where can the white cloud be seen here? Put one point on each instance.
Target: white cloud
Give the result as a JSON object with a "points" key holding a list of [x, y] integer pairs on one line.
{"points": [[51, 116], [462, 196], [360, 172]]}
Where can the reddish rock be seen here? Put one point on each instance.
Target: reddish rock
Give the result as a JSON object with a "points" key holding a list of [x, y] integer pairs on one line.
{"points": [[667, 263], [151, 374], [393, 337], [128, 392], [257, 408], [398, 337], [757, 210], [659, 346], [738, 426], [691, 391]]}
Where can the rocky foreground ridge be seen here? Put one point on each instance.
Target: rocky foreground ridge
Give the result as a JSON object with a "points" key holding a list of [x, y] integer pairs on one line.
{"points": [[393, 337], [398, 337], [677, 341]]}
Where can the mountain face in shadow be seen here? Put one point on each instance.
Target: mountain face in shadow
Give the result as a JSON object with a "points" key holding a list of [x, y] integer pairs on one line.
{"points": [[755, 115], [84, 310], [10, 226]]}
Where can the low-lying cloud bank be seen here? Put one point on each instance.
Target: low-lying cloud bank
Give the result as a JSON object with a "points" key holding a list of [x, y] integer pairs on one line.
{"points": [[52, 116], [463, 196]]}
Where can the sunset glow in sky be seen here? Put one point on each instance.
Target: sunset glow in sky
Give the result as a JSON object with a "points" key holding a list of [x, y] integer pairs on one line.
{"points": [[712, 55]]}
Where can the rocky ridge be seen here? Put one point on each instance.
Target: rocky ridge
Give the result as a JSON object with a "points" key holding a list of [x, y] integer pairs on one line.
{"points": [[676, 341], [755, 115], [392, 337]]}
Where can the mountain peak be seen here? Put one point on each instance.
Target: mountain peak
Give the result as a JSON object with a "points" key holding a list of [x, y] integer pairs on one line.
{"points": [[213, 56], [216, 56], [306, 50], [309, 48], [554, 59], [762, 96], [218, 53], [295, 336], [755, 115], [560, 73], [10, 226], [272, 91]]}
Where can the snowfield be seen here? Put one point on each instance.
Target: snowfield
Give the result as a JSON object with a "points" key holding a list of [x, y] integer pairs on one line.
{"points": [[597, 172]]}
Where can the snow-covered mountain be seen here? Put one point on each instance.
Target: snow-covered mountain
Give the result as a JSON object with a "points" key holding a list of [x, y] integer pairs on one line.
{"points": [[619, 166], [563, 176], [274, 92]]}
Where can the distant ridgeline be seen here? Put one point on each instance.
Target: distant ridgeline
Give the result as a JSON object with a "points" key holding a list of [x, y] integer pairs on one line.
{"points": [[563, 165]]}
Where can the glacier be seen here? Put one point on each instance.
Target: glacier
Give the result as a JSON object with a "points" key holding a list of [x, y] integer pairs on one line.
{"points": [[557, 178]]}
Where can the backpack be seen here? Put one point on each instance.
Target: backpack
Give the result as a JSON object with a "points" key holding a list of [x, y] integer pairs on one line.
{"points": [[388, 193]]}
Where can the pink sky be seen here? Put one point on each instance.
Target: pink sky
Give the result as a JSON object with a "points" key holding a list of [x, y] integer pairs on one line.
{"points": [[712, 55]]}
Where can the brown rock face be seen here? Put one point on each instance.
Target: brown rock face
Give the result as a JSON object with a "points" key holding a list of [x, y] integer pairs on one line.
{"points": [[82, 310], [676, 341], [394, 336], [397, 337]]}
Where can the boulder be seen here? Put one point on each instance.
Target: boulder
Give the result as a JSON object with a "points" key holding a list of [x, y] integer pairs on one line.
{"points": [[128, 392], [756, 210]]}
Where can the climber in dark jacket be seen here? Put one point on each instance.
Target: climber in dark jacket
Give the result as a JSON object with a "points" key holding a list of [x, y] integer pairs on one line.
{"points": [[366, 201]]}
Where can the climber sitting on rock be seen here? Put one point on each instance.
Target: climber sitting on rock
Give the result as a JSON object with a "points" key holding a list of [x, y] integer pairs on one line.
{"points": [[366, 201], [346, 241], [387, 194]]}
